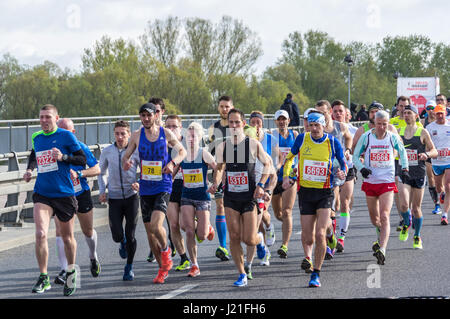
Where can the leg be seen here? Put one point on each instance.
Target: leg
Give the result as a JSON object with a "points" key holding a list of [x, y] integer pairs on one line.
{"points": [[288, 201], [70, 244], [322, 220], [385, 204], [233, 219], [308, 233], [42, 214], [173, 214], [188, 225], [87, 226], [131, 219]]}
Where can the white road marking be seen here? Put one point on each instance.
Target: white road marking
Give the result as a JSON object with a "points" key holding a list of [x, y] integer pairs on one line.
{"points": [[177, 292]]}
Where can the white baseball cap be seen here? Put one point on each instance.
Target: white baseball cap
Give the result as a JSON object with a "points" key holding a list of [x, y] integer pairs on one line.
{"points": [[431, 102], [281, 113], [305, 115]]}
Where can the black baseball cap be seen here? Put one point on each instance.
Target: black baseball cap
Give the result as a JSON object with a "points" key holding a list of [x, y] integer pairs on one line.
{"points": [[376, 105], [412, 108], [148, 107]]}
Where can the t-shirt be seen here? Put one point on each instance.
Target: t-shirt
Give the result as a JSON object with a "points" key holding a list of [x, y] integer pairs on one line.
{"points": [[53, 179]]}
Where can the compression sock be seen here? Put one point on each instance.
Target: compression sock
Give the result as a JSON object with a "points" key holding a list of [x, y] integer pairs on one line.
{"points": [[344, 221], [61, 253], [417, 226], [406, 218], [221, 226], [92, 244], [434, 195]]}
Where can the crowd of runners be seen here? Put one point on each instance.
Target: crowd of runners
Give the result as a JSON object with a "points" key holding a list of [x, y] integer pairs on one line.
{"points": [[171, 174]]}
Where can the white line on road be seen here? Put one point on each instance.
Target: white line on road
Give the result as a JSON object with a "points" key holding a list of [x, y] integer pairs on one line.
{"points": [[299, 233], [177, 292]]}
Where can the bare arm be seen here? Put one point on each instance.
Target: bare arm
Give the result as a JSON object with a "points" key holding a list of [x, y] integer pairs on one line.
{"points": [[209, 159], [429, 146], [132, 144]]}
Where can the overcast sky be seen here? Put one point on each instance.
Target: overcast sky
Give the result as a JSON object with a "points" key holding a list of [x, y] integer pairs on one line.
{"points": [[59, 30]]}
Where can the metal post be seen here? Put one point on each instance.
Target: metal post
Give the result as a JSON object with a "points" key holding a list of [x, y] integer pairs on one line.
{"points": [[349, 81]]}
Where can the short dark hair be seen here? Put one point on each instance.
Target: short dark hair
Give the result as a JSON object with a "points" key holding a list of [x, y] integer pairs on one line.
{"points": [[237, 111], [157, 101], [323, 102], [226, 98], [173, 117], [122, 123], [337, 102], [48, 107], [403, 98]]}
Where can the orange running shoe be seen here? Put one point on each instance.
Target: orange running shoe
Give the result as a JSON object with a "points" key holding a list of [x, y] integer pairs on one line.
{"points": [[162, 275], [166, 260], [211, 233], [194, 271]]}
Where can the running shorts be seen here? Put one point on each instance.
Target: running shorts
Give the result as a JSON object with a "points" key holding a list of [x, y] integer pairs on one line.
{"points": [[85, 203], [377, 190], [150, 203], [199, 205], [239, 206], [312, 199], [63, 207]]}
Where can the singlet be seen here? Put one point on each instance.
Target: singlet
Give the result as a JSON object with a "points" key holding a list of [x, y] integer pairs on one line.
{"points": [[440, 135], [154, 157], [219, 133], [53, 179], [337, 133], [240, 180], [379, 158], [80, 185], [284, 145], [398, 123], [414, 147], [195, 178]]}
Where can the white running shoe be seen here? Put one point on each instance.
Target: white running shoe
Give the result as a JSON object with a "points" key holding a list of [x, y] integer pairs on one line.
{"points": [[265, 261], [270, 235]]}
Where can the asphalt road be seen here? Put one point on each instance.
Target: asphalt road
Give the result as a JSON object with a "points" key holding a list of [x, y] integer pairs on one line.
{"points": [[352, 274]]}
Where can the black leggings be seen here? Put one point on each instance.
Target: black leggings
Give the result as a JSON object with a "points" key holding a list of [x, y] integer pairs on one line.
{"points": [[118, 209]]}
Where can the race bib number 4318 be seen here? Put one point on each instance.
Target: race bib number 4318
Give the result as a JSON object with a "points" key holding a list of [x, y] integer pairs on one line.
{"points": [[237, 182]]}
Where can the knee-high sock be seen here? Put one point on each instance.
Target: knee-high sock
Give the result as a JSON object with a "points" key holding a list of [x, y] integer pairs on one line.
{"points": [[344, 222], [92, 244], [434, 194], [407, 217], [61, 253], [417, 226], [221, 226]]}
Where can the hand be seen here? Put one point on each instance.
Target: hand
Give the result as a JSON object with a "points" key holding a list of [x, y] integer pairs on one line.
{"points": [[56, 154], [135, 186], [340, 174], [404, 176], [102, 198], [127, 165], [73, 175], [286, 182], [347, 154], [27, 176], [267, 197], [168, 169], [365, 172], [212, 189], [423, 157], [259, 192]]}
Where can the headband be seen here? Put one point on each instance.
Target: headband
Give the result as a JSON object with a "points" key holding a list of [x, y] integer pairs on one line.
{"points": [[317, 118]]}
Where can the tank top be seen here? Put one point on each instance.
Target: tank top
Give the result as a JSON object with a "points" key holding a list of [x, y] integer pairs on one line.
{"points": [[195, 178], [414, 147], [259, 167], [440, 134], [337, 133], [219, 132], [379, 156], [285, 145], [240, 180], [154, 157]]}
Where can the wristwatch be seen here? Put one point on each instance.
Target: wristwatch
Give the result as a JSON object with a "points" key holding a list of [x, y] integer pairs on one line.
{"points": [[269, 192], [65, 157], [80, 174]]}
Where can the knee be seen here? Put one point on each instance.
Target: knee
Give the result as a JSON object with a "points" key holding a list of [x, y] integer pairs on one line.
{"points": [[235, 237], [117, 238], [174, 226], [41, 235], [190, 232], [308, 240]]}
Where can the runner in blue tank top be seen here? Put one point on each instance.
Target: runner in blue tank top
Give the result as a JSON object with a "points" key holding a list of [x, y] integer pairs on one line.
{"points": [[155, 184], [195, 201]]}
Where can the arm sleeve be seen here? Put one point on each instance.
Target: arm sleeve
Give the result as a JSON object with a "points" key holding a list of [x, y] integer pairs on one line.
{"points": [[77, 158], [32, 160], [398, 145], [359, 149], [339, 153]]}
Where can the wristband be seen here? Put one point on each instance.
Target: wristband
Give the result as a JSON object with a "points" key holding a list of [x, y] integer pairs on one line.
{"points": [[260, 185], [80, 174]]}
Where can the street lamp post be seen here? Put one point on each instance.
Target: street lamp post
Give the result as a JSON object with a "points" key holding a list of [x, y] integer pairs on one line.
{"points": [[349, 60]]}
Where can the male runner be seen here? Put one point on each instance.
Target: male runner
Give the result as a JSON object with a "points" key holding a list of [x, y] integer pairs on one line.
{"points": [[217, 134], [155, 184], [55, 149], [378, 170], [440, 133], [238, 155], [123, 201], [419, 148], [317, 151]]}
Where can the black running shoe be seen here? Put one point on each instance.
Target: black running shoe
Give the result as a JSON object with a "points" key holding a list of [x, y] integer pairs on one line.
{"points": [[95, 268], [150, 257], [71, 283], [61, 278], [307, 265], [380, 257]]}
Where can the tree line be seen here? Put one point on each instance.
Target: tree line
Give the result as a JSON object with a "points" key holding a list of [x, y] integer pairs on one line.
{"points": [[191, 62]]}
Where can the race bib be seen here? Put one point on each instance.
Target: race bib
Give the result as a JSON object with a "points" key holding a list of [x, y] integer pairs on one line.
{"points": [[193, 178], [380, 158], [45, 161], [237, 182], [443, 154], [413, 157], [315, 171], [152, 170], [77, 185]]}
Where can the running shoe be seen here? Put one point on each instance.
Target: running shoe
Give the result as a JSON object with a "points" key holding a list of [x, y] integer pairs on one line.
{"points": [[194, 271], [128, 274], [270, 235], [71, 283], [444, 221], [307, 265], [161, 276], [42, 284], [442, 198], [332, 242], [329, 253], [196, 237], [315, 280], [184, 265], [283, 251], [242, 281], [375, 247], [174, 250], [340, 245], [211, 233], [151, 258], [417, 243], [261, 248], [380, 257], [248, 272], [166, 260], [123, 249], [95, 268], [437, 209], [61, 278], [403, 236], [265, 261], [222, 254], [400, 225]]}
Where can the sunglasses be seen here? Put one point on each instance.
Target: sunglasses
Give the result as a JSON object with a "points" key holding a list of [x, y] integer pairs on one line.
{"points": [[430, 108]]}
